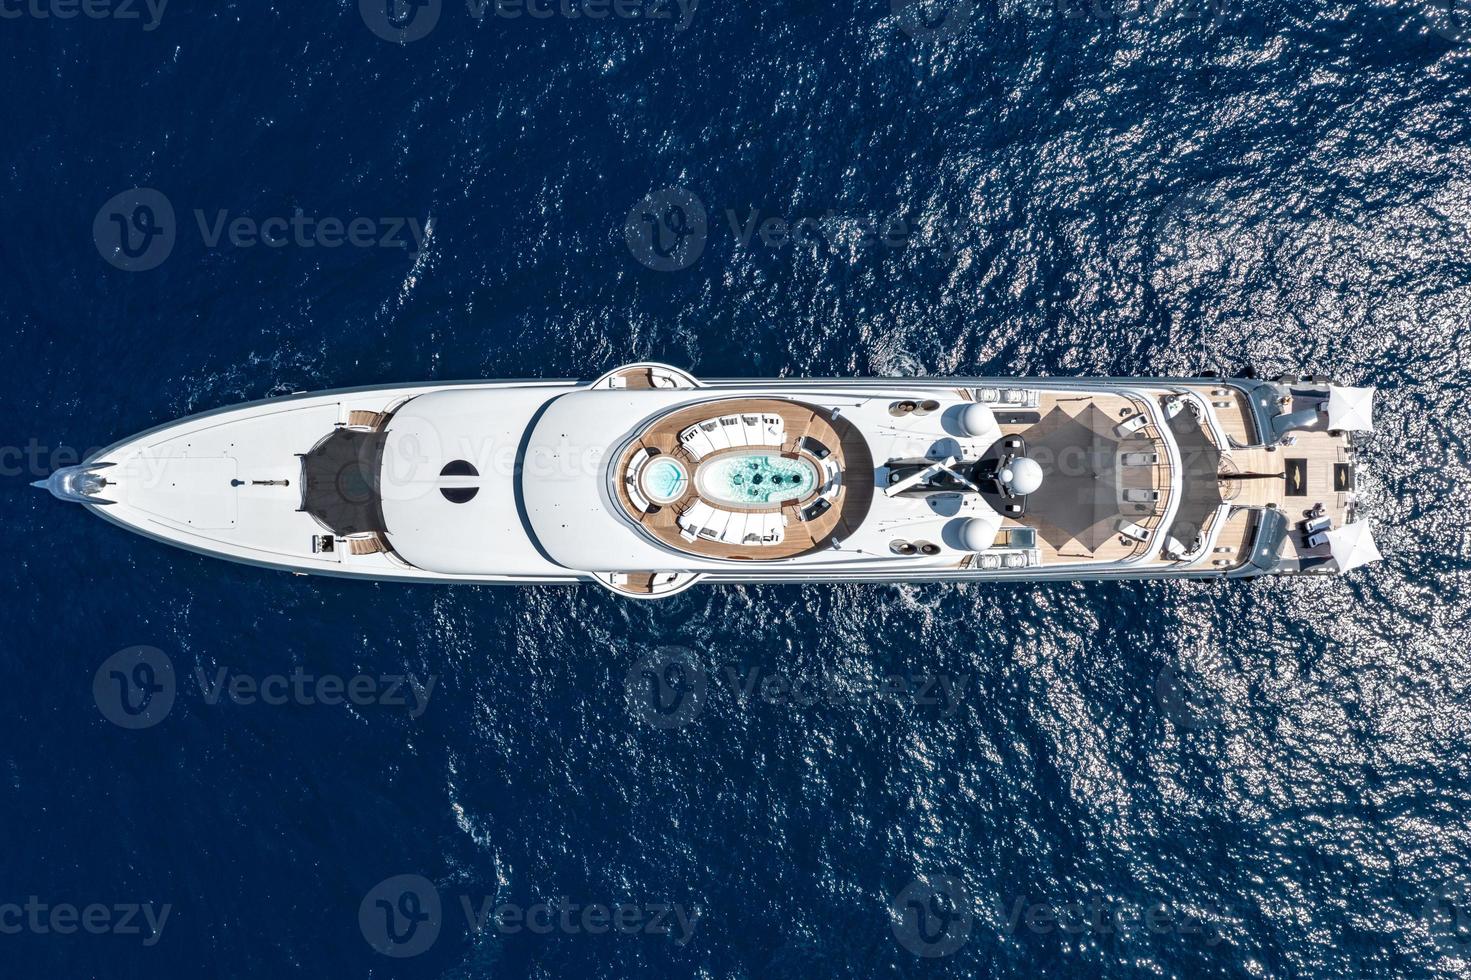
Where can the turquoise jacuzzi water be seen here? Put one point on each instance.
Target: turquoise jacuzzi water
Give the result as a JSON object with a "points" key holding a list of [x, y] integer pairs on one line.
{"points": [[755, 478], [664, 480]]}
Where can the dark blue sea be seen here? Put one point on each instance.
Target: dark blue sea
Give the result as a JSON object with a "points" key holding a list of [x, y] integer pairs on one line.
{"points": [[216, 202]]}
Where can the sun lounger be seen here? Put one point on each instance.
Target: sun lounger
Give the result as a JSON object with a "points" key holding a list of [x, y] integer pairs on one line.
{"points": [[773, 430], [734, 532], [715, 432], [1131, 530], [735, 433], [1132, 425], [696, 442]]}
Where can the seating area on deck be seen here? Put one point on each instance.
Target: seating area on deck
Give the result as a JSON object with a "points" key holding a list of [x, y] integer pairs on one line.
{"points": [[733, 432], [1107, 477], [825, 460], [701, 520]]}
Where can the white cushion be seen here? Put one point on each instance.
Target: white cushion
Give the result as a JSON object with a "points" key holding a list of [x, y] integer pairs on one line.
{"points": [[715, 432]]}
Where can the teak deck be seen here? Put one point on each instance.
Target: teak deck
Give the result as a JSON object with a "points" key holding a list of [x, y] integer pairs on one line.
{"points": [[849, 451], [1319, 449]]}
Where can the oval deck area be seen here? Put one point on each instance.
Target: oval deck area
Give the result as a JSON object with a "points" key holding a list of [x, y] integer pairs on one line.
{"points": [[717, 432]]}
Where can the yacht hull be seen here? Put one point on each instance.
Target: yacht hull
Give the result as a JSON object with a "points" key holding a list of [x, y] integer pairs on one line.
{"points": [[537, 482]]}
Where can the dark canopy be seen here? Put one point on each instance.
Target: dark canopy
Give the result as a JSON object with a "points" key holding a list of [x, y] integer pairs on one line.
{"points": [[1199, 479], [339, 481], [1079, 496]]}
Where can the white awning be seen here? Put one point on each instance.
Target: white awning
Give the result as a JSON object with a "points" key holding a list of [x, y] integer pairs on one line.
{"points": [[1351, 409], [1353, 545]]}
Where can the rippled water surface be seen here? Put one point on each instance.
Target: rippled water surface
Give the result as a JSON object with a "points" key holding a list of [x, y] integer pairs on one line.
{"points": [[1261, 779]]}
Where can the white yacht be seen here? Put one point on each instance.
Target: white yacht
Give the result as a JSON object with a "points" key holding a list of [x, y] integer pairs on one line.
{"points": [[648, 480]]}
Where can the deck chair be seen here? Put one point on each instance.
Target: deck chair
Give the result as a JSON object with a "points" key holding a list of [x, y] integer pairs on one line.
{"points": [[1131, 425], [1131, 530], [715, 434], [773, 430], [735, 531], [696, 442]]}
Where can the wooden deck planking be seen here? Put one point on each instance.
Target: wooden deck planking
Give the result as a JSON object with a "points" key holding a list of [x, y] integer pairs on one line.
{"points": [[849, 451]]}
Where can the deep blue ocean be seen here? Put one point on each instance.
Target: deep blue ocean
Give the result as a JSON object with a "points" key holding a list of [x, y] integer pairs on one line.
{"points": [[1250, 779]]}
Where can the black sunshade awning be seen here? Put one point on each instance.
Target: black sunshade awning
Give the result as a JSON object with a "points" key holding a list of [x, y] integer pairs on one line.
{"points": [[339, 480], [1199, 480], [1079, 496]]}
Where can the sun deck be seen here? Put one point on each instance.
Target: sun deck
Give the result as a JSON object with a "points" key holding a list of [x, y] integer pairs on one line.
{"points": [[806, 431], [1077, 510]]}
